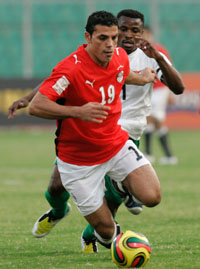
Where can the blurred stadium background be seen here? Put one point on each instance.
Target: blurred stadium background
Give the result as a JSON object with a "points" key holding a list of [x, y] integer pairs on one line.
{"points": [[36, 34]]}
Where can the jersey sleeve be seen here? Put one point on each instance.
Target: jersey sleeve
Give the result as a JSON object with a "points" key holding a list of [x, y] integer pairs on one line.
{"points": [[56, 85], [157, 67], [164, 52]]}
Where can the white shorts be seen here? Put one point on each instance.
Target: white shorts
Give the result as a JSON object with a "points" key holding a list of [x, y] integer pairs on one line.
{"points": [[159, 102], [86, 183]]}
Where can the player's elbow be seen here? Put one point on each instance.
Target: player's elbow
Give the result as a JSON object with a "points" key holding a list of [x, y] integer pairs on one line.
{"points": [[179, 86], [32, 110], [179, 90]]}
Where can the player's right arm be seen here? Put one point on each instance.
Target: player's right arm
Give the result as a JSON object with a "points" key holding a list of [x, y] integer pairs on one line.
{"points": [[22, 102], [41, 106]]}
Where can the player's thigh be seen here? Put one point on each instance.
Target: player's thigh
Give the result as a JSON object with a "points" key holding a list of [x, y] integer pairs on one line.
{"points": [[128, 159], [143, 182], [132, 168], [86, 185]]}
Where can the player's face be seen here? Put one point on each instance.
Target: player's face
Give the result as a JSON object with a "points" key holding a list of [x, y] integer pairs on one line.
{"points": [[102, 43], [128, 29]]}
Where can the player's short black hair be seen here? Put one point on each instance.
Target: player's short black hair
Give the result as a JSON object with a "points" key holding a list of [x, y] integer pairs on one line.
{"points": [[102, 18], [131, 13]]}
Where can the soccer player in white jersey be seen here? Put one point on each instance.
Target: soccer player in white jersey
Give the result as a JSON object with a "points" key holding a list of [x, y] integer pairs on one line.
{"points": [[136, 104], [136, 100]]}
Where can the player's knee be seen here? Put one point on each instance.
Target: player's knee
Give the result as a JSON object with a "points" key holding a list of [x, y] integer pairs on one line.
{"points": [[113, 206], [153, 198], [56, 189]]}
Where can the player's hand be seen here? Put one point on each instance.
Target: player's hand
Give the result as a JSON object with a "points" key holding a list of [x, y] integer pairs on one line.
{"points": [[147, 47], [94, 112], [149, 75], [21, 103]]}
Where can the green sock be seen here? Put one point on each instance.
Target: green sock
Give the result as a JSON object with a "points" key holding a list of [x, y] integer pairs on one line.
{"points": [[58, 203], [88, 233]]}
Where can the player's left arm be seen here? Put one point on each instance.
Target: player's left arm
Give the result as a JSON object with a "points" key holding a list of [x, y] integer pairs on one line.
{"points": [[22, 102], [170, 76], [145, 76]]}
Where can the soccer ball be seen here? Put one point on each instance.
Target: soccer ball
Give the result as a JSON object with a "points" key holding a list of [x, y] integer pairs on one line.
{"points": [[130, 250]]}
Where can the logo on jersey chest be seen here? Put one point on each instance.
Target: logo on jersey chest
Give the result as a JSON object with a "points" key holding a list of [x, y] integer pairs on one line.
{"points": [[120, 76], [76, 59], [90, 82]]}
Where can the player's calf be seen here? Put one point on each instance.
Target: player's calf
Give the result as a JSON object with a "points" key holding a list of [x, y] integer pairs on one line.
{"points": [[107, 242]]}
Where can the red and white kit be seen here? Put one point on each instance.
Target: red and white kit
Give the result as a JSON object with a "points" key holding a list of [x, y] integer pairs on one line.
{"points": [[80, 80]]}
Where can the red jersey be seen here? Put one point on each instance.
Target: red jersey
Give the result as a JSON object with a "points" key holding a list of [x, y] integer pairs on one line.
{"points": [[163, 50], [79, 80]]}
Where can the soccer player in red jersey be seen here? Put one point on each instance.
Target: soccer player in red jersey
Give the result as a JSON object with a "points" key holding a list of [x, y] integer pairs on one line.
{"points": [[89, 141], [161, 97], [56, 194]]}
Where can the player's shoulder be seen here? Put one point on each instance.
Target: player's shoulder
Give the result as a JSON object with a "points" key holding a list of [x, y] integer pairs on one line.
{"points": [[139, 59], [72, 61], [120, 56], [139, 54], [120, 52]]}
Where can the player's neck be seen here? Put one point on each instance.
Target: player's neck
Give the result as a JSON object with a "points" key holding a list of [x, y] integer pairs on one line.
{"points": [[95, 59], [133, 50]]}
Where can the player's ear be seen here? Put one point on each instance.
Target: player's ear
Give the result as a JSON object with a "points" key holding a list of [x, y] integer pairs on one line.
{"points": [[87, 37]]}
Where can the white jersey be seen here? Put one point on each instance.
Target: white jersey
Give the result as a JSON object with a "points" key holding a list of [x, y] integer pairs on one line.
{"points": [[136, 100]]}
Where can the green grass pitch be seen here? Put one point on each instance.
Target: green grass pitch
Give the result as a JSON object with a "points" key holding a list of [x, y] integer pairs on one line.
{"points": [[173, 227]]}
